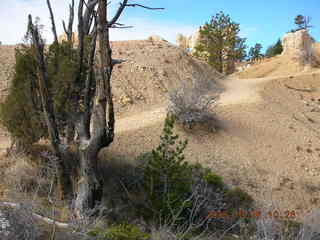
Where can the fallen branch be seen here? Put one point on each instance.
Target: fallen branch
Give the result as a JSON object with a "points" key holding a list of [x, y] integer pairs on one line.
{"points": [[118, 61], [37, 216], [300, 89]]}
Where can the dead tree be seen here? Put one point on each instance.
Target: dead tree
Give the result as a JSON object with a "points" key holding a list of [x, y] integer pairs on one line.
{"points": [[94, 121]]}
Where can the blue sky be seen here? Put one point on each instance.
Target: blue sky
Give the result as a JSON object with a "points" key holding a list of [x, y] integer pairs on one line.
{"points": [[261, 21]]}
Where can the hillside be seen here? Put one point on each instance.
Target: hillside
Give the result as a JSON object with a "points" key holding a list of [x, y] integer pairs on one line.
{"points": [[269, 144], [269, 141], [151, 68]]}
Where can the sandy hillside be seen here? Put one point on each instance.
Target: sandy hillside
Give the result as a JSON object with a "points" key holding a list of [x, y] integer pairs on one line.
{"points": [[151, 68], [278, 66], [6, 72], [269, 142]]}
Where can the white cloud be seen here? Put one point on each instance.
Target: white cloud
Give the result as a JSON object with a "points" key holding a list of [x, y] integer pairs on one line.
{"points": [[14, 13], [14, 18]]}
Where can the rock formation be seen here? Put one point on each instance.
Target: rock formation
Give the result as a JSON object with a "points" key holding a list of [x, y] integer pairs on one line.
{"points": [[300, 45], [156, 38], [182, 41], [63, 37], [194, 39], [188, 42]]}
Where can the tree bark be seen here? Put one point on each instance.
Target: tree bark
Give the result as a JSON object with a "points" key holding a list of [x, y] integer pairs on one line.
{"points": [[90, 184]]}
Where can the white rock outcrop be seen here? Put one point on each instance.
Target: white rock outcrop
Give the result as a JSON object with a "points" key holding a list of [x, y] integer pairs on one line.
{"points": [[63, 37], [299, 45], [188, 42], [156, 38]]}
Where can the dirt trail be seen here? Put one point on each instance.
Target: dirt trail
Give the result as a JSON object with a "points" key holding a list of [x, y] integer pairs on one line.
{"points": [[237, 91]]}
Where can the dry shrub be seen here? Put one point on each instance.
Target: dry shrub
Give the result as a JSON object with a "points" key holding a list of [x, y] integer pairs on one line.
{"points": [[192, 103], [269, 228], [18, 224], [21, 176], [24, 178]]}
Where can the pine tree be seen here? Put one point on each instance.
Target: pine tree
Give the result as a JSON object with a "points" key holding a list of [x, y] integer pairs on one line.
{"points": [[302, 22], [220, 44], [255, 52], [299, 21], [274, 49], [167, 175]]}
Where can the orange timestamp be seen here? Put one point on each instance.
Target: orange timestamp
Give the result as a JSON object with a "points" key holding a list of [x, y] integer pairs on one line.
{"points": [[276, 214]]}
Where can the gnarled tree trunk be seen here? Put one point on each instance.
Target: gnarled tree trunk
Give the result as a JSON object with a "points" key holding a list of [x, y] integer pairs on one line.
{"points": [[92, 113]]}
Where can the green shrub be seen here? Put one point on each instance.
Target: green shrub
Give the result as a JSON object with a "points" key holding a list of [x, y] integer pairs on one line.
{"points": [[22, 112], [18, 113], [120, 232], [214, 180], [237, 198]]}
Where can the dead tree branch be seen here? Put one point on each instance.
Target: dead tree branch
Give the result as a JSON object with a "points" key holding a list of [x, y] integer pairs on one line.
{"points": [[89, 15], [42, 218], [54, 31], [300, 89], [47, 103], [143, 6], [118, 13], [123, 5], [69, 31]]}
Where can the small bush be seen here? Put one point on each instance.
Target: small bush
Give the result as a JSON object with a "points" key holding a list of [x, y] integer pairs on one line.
{"points": [[237, 198], [28, 175], [191, 105], [213, 179], [16, 224], [120, 232]]}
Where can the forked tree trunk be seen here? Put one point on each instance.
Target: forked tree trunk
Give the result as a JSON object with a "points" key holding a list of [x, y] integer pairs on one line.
{"points": [[90, 185]]}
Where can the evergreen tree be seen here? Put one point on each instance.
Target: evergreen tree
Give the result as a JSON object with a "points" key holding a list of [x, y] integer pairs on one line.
{"points": [[220, 44], [275, 49], [302, 22], [255, 52], [18, 113], [299, 21]]}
